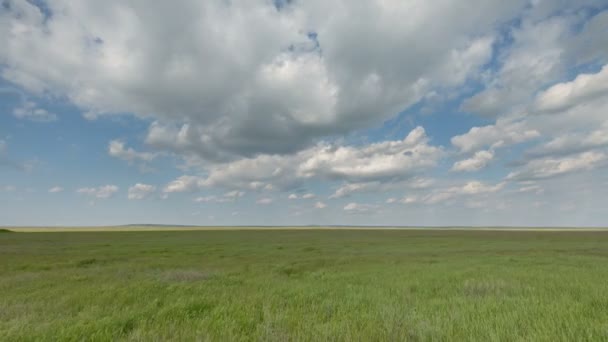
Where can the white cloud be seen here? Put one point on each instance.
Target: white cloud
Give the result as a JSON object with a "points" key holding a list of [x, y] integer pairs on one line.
{"points": [[379, 186], [477, 162], [354, 207], [374, 162], [503, 133], [234, 194], [102, 192], [468, 189], [551, 167], [205, 199], [263, 83], [534, 188], [572, 142], [185, 184], [292, 196], [140, 191], [30, 111], [539, 52], [264, 200], [409, 199], [308, 196], [583, 88], [56, 189], [116, 149], [230, 196], [320, 205]]}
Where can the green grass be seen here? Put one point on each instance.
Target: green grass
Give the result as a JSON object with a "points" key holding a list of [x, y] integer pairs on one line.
{"points": [[337, 285]]}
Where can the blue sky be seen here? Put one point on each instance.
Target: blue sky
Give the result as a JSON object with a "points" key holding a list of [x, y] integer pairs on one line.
{"points": [[316, 112]]}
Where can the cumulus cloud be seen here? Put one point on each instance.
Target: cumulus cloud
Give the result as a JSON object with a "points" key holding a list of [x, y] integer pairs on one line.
{"points": [[266, 96], [205, 199], [30, 111], [102, 192], [359, 208], [320, 205], [264, 200], [572, 142], [374, 162], [230, 196], [377, 186], [140, 191], [551, 167], [531, 187], [117, 149], [234, 194], [443, 194], [503, 133], [56, 189], [477, 162], [584, 88], [549, 38], [534, 59], [272, 80]]}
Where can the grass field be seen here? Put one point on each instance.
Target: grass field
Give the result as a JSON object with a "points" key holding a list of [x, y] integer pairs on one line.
{"points": [[304, 285]]}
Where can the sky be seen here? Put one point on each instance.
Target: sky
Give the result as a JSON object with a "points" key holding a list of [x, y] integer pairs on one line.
{"points": [[317, 112]]}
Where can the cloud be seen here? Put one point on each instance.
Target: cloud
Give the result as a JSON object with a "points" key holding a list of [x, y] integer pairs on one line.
{"points": [[271, 81], [56, 189], [552, 167], [30, 111], [379, 186], [584, 88], [359, 208], [230, 196], [468, 189], [534, 59], [234, 194], [535, 188], [477, 162], [102, 192], [572, 142], [537, 52], [320, 205], [374, 162], [503, 133], [140, 191], [264, 200], [303, 196], [185, 184], [206, 199], [116, 149]]}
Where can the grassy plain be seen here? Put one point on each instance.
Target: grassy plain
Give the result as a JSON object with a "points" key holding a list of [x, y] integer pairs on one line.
{"points": [[305, 285]]}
